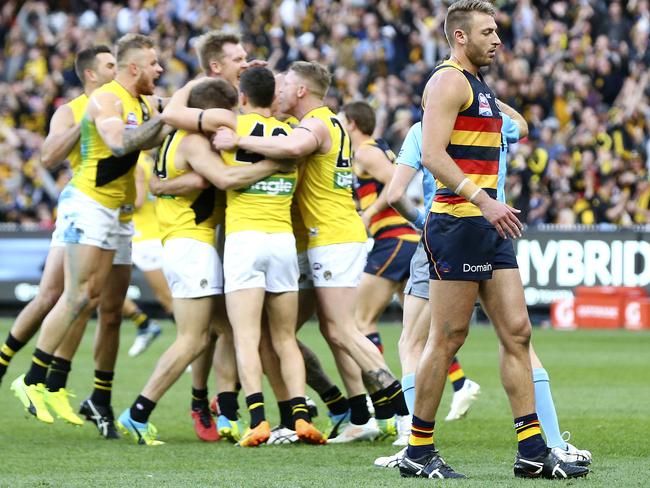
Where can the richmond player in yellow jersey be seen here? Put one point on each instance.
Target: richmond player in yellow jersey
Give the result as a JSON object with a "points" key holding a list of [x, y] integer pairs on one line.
{"points": [[261, 267], [190, 260], [337, 237], [94, 66], [395, 240], [90, 205]]}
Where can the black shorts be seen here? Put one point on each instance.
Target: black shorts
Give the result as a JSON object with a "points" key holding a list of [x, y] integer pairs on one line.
{"points": [[390, 258], [465, 249]]}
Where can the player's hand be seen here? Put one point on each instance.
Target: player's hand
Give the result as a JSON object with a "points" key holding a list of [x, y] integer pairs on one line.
{"points": [[256, 63], [286, 166], [225, 139], [503, 217], [366, 217], [155, 185]]}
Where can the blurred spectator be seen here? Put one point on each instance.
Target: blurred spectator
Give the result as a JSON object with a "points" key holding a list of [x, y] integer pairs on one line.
{"points": [[578, 71]]}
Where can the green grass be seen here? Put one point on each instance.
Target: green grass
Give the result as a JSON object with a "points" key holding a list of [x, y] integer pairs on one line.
{"points": [[599, 382]]}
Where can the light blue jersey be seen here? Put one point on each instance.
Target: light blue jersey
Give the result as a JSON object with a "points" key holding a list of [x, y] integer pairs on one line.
{"points": [[509, 135], [411, 155]]}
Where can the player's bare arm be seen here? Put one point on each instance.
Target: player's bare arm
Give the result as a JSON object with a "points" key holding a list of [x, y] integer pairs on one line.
{"points": [[63, 136], [516, 117], [309, 137], [181, 185], [445, 95], [199, 155], [373, 161], [106, 110], [140, 187], [180, 116], [396, 195]]}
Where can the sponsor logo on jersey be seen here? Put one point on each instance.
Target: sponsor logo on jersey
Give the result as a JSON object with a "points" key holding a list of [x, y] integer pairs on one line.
{"points": [[273, 185], [131, 120], [343, 180], [484, 106]]}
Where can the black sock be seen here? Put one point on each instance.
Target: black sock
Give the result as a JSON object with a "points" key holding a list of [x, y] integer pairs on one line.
{"points": [[255, 403], [383, 407], [228, 406], [375, 338], [299, 410], [7, 351], [396, 396], [199, 398], [359, 413], [140, 319], [141, 409], [103, 388], [336, 403], [529, 436], [57, 378], [285, 414], [38, 370]]}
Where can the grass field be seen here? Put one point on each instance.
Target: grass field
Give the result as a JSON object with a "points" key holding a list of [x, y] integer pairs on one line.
{"points": [[600, 382]]}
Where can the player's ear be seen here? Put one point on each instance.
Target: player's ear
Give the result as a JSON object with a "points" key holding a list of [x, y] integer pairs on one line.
{"points": [[215, 68]]}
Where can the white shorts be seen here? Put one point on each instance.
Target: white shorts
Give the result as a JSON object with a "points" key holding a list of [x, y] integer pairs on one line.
{"points": [[124, 238], [148, 255], [255, 259], [338, 265], [82, 220], [192, 268], [306, 280]]}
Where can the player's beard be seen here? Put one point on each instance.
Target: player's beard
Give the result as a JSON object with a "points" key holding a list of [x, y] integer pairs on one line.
{"points": [[144, 86], [477, 55]]}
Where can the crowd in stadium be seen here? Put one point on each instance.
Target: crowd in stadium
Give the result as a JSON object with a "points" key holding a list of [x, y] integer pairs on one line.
{"points": [[578, 72]]}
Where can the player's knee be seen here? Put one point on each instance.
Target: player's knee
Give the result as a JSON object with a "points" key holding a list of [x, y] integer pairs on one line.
{"points": [[47, 297], [520, 331], [409, 344]]}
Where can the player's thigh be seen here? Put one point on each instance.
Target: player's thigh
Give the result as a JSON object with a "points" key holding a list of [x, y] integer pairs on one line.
{"points": [[282, 312], [192, 316], [86, 268], [374, 295], [245, 313], [451, 304]]}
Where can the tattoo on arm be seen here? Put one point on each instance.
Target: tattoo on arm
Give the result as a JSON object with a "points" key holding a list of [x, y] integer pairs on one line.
{"points": [[316, 376], [139, 138], [377, 380]]}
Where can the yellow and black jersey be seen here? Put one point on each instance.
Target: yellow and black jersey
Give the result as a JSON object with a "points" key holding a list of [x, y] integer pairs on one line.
{"points": [[78, 106], [325, 190], [194, 215], [264, 206], [102, 176], [144, 218]]}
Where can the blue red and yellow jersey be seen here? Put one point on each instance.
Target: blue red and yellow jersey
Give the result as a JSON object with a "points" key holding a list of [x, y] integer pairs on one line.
{"points": [[474, 146], [388, 222]]}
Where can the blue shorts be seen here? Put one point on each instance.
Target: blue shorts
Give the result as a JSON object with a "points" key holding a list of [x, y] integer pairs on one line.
{"points": [[390, 258], [465, 249]]}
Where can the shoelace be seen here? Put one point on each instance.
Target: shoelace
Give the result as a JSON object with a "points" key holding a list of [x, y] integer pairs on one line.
{"points": [[205, 417]]}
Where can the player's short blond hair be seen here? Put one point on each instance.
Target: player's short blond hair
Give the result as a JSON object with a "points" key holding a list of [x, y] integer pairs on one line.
{"points": [[459, 15], [131, 42], [209, 47], [315, 74]]}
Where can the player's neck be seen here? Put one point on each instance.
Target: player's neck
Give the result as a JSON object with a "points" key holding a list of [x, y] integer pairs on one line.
{"points": [[305, 106], [461, 59], [264, 112], [357, 139], [128, 83], [89, 88]]}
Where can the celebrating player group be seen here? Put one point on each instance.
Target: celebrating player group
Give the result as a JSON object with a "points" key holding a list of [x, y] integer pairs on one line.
{"points": [[248, 205]]}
